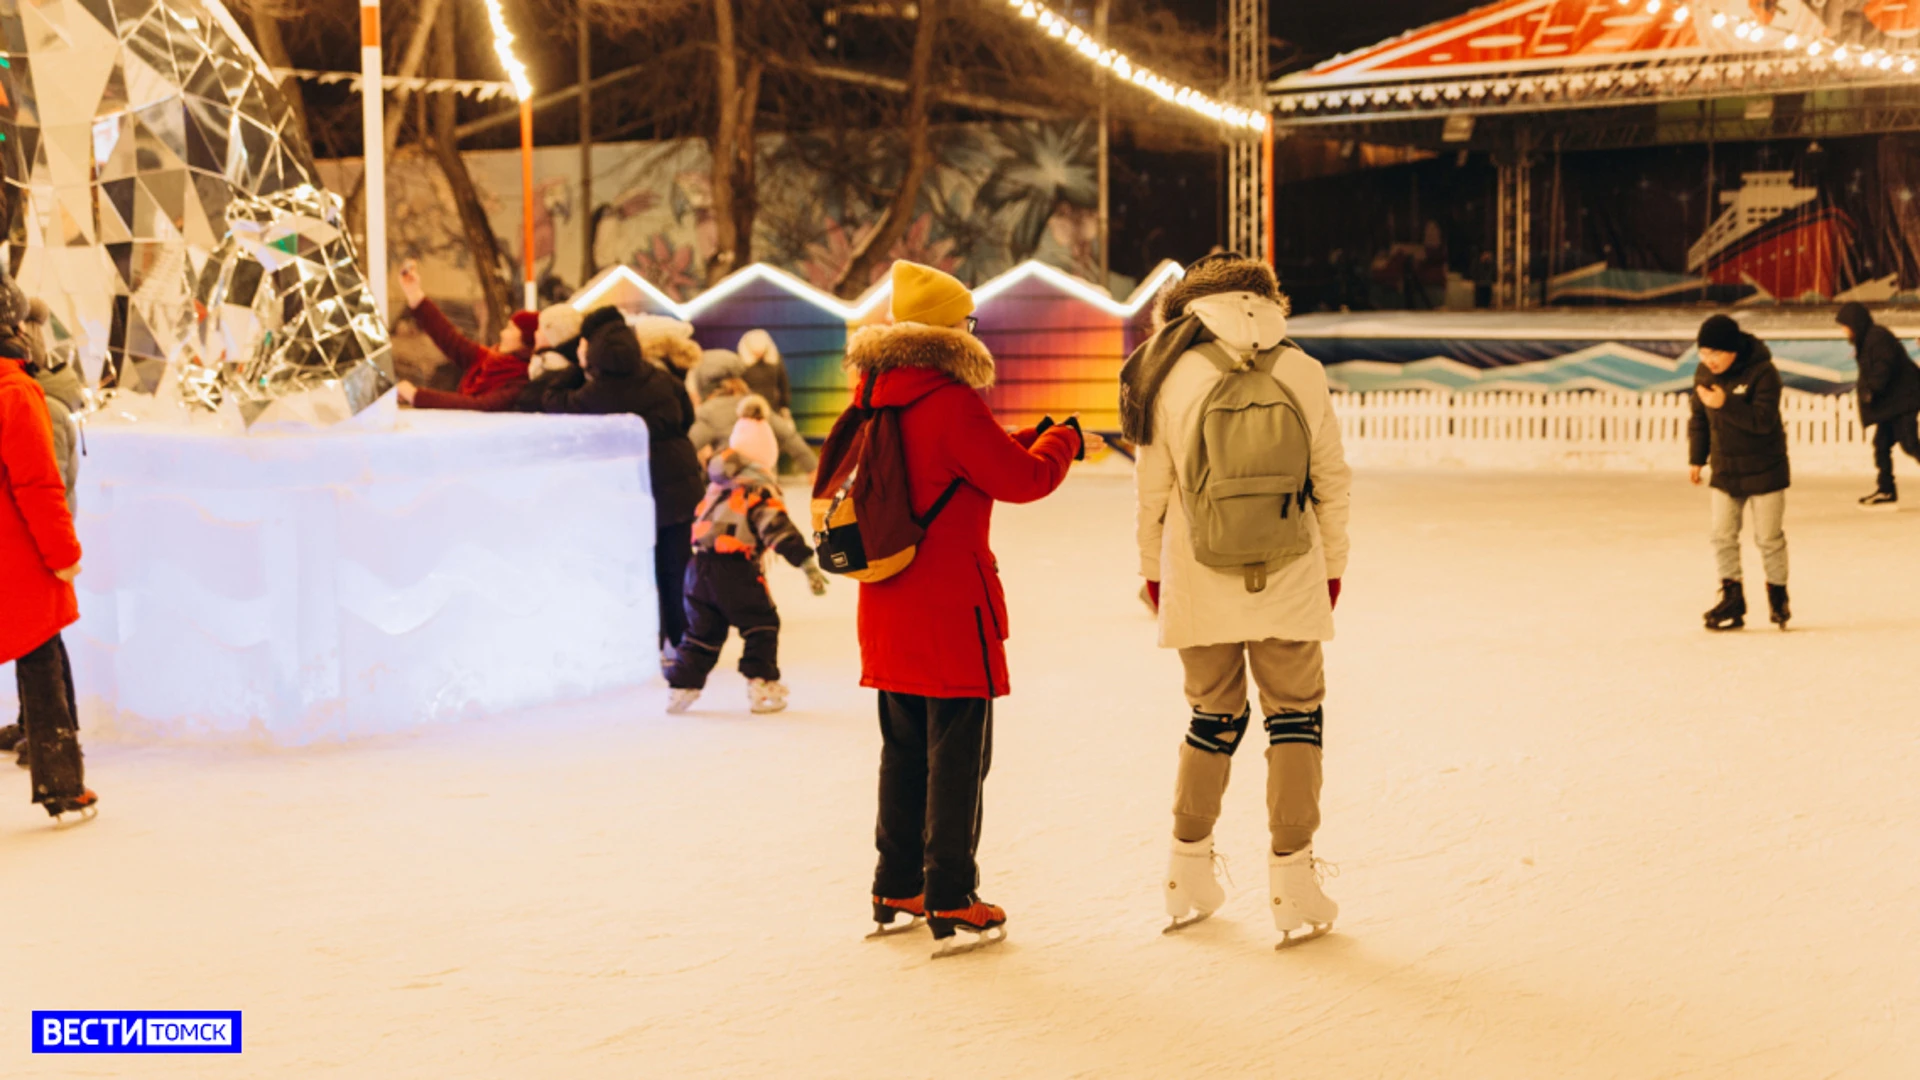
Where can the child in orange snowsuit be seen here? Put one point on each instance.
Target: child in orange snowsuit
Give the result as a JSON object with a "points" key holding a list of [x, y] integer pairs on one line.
{"points": [[739, 521]]}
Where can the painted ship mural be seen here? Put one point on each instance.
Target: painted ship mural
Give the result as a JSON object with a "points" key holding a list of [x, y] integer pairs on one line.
{"points": [[1774, 241], [1775, 237]]}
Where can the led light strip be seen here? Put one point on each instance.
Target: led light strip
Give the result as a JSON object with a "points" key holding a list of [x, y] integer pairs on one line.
{"points": [[503, 47], [1118, 63], [863, 307], [1760, 33]]}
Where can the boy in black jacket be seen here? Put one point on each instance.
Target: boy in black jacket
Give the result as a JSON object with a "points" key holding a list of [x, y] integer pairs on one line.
{"points": [[1736, 430], [1889, 392]]}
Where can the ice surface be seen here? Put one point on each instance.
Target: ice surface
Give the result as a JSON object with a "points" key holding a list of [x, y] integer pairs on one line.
{"points": [[300, 587], [1579, 837]]}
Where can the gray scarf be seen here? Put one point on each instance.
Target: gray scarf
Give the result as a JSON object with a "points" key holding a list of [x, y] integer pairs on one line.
{"points": [[1147, 368]]}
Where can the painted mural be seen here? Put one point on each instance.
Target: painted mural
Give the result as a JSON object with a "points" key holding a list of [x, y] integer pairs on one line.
{"points": [[998, 195]]}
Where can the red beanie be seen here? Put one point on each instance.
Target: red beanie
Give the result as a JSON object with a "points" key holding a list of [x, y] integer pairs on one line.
{"points": [[529, 324]]}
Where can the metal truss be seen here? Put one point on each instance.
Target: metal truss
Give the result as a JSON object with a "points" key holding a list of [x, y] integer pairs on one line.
{"points": [[1246, 78]]}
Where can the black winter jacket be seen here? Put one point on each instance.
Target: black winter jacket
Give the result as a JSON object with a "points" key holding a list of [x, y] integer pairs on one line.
{"points": [[1889, 384], [618, 380], [1744, 440]]}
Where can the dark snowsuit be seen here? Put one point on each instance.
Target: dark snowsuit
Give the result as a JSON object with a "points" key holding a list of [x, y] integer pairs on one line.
{"points": [[618, 380], [1889, 390], [1744, 440], [741, 519]]}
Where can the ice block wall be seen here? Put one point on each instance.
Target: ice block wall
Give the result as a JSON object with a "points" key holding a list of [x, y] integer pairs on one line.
{"points": [[294, 588]]}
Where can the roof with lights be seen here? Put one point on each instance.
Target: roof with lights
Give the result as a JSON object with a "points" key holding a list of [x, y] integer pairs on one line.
{"points": [[1536, 54]]}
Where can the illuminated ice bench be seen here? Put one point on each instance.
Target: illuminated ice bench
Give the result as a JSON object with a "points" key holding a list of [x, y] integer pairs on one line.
{"points": [[300, 588]]}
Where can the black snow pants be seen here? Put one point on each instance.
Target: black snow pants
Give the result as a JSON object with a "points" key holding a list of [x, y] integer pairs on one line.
{"points": [[48, 713], [1902, 431], [726, 591], [934, 755], [672, 547]]}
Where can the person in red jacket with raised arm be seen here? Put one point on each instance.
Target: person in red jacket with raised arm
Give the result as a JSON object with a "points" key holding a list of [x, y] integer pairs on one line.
{"points": [[932, 638], [39, 558], [490, 379]]}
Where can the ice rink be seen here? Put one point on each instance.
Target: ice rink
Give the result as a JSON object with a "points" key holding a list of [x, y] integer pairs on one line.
{"points": [[1577, 836]]}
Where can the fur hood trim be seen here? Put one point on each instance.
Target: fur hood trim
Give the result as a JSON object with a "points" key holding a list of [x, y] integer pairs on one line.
{"points": [[675, 354], [1216, 274], [875, 349]]}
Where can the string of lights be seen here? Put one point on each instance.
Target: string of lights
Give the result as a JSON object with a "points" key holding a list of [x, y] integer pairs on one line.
{"points": [[1117, 62], [503, 47], [1790, 40]]}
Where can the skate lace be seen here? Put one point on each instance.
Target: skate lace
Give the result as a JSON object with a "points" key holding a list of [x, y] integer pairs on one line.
{"points": [[1322, 870], [1220, 868]]}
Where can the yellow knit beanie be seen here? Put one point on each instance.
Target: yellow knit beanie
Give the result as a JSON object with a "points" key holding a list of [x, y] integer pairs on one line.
{"points": [[922, 294]]}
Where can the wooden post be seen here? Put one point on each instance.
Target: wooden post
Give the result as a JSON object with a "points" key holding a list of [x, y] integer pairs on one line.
{"points": [[1105, 239], [587, 266]]}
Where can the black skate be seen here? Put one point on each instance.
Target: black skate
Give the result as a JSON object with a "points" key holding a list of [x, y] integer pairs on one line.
{"points": [[1777, 607], [886, 912], [81, 808], [983, 923], [10, 737], [1881, 500], [1731, 612]]}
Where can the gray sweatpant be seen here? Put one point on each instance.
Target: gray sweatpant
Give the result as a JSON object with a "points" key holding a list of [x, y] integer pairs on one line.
{"points": [[1769, 533], [1292, 684]]}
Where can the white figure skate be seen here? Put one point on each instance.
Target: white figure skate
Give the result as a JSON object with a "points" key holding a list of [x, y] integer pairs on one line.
{"points": [[1193, 889], [1298, 901]]}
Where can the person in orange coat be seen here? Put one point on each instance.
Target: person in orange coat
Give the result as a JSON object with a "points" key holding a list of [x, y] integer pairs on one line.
{"points": [[39, 558], [490, 379]]}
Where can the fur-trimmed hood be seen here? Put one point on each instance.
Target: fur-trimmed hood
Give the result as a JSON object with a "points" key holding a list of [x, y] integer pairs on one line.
{"points": [[1225, 273], [876, 349]]}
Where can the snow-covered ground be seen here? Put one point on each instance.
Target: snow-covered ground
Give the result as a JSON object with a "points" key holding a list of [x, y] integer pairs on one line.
{"points": [[1577, 835]]}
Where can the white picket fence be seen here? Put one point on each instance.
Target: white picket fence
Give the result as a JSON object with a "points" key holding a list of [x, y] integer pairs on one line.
{"points": [[1578, 429]]}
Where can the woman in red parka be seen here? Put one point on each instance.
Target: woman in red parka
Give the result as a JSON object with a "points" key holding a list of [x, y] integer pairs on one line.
{"points": [[39, 558], [932, 638]]}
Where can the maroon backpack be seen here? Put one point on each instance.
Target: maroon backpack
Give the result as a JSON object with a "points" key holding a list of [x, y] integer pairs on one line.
{"points": [[863, 521]]}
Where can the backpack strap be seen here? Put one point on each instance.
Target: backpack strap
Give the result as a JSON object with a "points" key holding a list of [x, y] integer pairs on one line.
{"points": [[939, 504], [1220, 357], [1230, 362]]}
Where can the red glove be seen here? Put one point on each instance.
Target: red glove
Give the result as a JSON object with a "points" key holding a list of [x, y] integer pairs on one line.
{"points": [[1333, 592], [1153, 594]]}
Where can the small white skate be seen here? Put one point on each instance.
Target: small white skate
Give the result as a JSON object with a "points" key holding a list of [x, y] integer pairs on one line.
{"points": [[1298, 901], [679, 701], [766, 696], [1193, 889]]}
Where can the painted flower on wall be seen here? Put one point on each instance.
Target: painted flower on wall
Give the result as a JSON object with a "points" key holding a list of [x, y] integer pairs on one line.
{"points": [[670, 267], [918, 245], [1048, 167]]}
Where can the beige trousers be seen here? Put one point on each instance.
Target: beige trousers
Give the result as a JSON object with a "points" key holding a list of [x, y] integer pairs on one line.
{"points": [[1292, 684]]}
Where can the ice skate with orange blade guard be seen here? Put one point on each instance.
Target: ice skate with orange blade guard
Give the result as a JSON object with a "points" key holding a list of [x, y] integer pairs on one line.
{"points": [[887, 911], [983, 923]]}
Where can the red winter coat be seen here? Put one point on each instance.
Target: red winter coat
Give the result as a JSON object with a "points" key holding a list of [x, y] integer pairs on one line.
{"points": [[490, 380], [937, 629], [36, 529]]}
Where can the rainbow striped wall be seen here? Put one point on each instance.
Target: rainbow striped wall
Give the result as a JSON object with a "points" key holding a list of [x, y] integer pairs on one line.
{"points": [[1058, 341]]}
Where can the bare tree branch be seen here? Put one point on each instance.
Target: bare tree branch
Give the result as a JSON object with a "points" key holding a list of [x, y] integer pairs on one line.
{"points": [[878, 243]]}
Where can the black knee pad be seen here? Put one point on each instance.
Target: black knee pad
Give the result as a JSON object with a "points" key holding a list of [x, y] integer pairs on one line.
{"points": [[1295, 727], [1218, 733]]}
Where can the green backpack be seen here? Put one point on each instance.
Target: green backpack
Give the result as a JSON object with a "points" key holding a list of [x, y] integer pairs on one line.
{"points": [[1246, 478]]}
